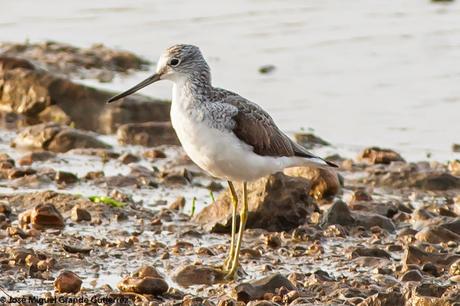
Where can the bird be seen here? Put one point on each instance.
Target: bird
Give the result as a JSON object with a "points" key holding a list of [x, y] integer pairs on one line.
{"points": [[225, 134]]}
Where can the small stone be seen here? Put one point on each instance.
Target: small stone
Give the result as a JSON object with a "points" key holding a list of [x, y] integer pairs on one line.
{"points": [[5, 209], [454, 268], [145, 271], [256, 289], [369, 252], [80, 214], [412, 276], [67, 178], [46, 216], [455, 279], [266, 69], [437, 234], [325, 183], [273, 241], [93, 175], [178, 204], [338, 213], [456, 147], [16, 231], [144, 285], [375, 155], [197, 275], [384, 299], [454, 167], [154, 154], [32, 157], [128, 158], [360, 196], [67, 282], [309, 140]]}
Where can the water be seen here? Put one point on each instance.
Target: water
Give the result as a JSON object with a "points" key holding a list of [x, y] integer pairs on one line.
{"points": [[359, 73]]}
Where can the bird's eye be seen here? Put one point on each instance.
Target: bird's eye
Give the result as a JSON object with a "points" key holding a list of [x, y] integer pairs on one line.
{"points": [[174, 62]]}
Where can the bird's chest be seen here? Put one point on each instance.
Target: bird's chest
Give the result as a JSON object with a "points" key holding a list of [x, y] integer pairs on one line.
{"points": [[200, 141]]}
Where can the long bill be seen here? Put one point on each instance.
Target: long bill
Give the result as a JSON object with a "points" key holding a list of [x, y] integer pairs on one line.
{"points": [[135, 88]]}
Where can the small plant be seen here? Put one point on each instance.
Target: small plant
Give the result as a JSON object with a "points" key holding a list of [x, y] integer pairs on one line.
{"points": [[212, 196], [193, 207], [107, 201]]}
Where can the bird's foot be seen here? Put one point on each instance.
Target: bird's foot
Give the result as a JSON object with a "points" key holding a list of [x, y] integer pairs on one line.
{"points": [[231, 274]]}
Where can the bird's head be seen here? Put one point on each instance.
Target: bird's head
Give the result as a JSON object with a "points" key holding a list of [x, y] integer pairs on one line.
{"points": [[178, 63]]}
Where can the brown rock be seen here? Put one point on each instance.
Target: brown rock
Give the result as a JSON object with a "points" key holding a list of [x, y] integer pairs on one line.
{"points": [[370, 220], [9, 63], [338, 213], [360, 196], [454, 167], [67, 178], [128, 158], [384, 209], [437, 234], [55, 137], [5, 209], [430, 289], [147, 134], [147, 271], [262, 303], [412, 276], [456, 147], [67, 282], [453, 226], [154, 154], [144, 285], [375, 155], [414, 255], [309, 140], [384, 299], [41, 95], [256, 289], [325, 183], [369, 252], [93, 175], [455, 268], [46, 216], [197, 275], [65, 59], [32, 157], [414, 176], [19, 172], [79, 214], [178, 204], [276, 203], [76, 248]]}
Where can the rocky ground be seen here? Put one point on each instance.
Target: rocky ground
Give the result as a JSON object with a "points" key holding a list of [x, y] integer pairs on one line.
{"points": [[99, 205]]}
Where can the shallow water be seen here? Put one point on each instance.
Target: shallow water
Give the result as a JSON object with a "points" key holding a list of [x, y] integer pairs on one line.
{"points": [[359, 74]]}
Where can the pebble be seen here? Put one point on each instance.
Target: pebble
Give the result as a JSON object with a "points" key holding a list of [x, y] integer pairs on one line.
{"points": [[67, 282]]}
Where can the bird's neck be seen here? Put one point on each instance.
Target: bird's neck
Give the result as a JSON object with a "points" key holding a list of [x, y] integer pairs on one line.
{"points": [[192, 89]]}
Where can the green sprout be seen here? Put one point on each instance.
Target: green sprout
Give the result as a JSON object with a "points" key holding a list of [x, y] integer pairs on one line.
{"points": [[212, 196], [193, 207], [106, 200]]}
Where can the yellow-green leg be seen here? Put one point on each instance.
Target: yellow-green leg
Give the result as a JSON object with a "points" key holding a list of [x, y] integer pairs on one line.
{"points": [[243, 218], [231, 253]]}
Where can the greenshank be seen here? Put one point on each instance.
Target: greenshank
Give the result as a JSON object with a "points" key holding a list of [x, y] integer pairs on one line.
{"points": [[223, 133]]}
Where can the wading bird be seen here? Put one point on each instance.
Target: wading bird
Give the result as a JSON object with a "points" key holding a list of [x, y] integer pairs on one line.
{"points": [[223, 133]]}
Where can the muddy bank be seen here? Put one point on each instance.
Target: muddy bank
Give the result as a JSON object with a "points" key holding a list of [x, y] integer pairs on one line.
{"points": [[96, 62], [87, 215]]}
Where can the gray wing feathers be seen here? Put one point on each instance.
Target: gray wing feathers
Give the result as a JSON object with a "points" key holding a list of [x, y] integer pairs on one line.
{"points": [[255, 127]]}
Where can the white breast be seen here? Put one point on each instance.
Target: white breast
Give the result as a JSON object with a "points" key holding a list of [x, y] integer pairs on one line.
{"points": [[220, 152]]}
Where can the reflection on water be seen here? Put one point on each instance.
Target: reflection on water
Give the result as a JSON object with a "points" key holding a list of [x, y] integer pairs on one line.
{"points": [[359, 73]]}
